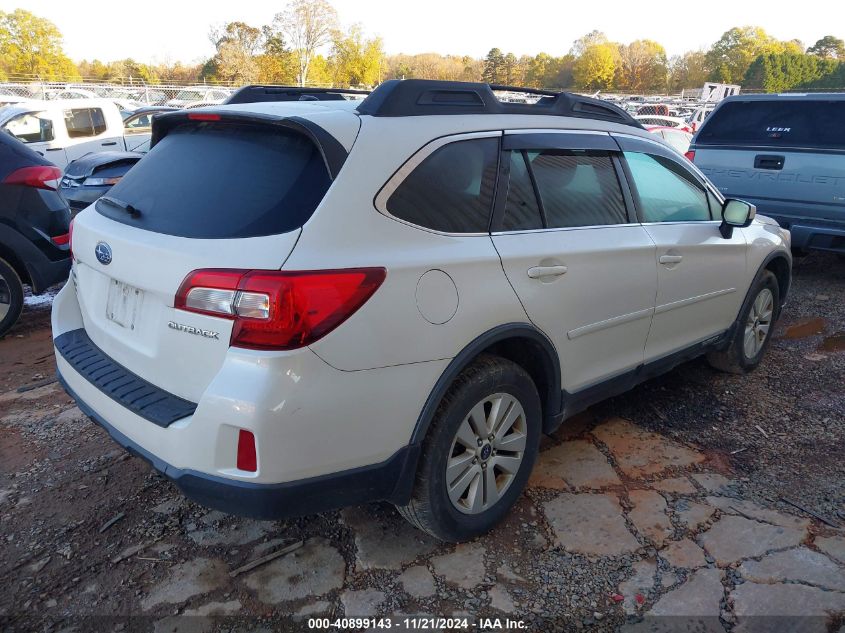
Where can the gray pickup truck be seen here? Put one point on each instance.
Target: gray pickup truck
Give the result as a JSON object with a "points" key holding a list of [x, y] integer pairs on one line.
{"points": [[785, 153]]}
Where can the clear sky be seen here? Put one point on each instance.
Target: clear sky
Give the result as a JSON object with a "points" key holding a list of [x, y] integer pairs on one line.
{"points": [[177, 30]]}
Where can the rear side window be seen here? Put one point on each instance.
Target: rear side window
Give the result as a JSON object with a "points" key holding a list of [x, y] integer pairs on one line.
{"points": [[82, 122], [777, 123], [217, 180], [578, 188], [452, 189]]}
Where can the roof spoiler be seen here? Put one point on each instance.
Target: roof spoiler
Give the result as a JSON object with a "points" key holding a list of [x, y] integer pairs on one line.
{"points": [[333, 153], [421, 97], [260, 94]]}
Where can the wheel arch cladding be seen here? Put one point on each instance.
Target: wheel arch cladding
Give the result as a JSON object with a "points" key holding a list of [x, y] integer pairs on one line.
{"points": [[521, 343], [779, 266]]}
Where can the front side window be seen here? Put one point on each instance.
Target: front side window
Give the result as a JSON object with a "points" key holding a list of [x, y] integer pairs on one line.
{"points": [[82, 122], [140, 123], [32, 127], [577, 187], [667, 192], [522, 212], [452, 189]]}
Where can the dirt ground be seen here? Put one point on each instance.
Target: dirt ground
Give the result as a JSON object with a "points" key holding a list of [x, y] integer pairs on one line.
{"points": [[693, 495]]}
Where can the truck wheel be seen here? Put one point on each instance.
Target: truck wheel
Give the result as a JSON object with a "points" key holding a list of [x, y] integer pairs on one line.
{"points": [[11, 296], [478, 453], [756, 322]]}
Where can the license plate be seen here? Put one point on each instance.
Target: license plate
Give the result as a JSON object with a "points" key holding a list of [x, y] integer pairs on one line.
{"points": [[124, 304]]}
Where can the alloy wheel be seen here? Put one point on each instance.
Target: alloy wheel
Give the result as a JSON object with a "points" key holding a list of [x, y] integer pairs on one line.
{"points": [[759, 323], [5, 297], [486, 453]]}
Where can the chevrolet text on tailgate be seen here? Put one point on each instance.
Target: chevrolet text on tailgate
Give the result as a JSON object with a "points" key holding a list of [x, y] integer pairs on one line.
{"points": [[297, 313], [786, 154]]}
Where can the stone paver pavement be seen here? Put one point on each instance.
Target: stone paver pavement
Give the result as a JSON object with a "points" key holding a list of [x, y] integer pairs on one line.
{"points": [[681, 537]]}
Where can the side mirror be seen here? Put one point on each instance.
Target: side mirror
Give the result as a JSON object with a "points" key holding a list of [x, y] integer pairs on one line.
{"points": [[736, 214]]}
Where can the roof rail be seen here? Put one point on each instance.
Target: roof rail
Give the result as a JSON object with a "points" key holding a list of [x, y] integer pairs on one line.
{"points": [[420, 97], [259, 94]]}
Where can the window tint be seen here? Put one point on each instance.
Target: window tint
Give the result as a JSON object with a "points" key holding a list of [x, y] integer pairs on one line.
{"points": [[223, 181], [83, 122], [666, 191], [452, 189], [521, 209], [140, 123], [578, 188], [783, 123], [31, 128]]}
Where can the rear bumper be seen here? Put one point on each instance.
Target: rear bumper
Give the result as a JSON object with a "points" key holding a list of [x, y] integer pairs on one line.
{"points": [[325, 438], [389, 480], [809, 230]]}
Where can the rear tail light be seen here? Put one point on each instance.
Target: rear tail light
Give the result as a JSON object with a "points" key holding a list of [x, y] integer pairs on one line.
{"points": [[690, 155], [278, 310], [247, 458], [61, 240], [38, 176]]}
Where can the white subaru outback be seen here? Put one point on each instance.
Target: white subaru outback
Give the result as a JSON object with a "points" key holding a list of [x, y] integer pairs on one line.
{"points": [[291, 307]]}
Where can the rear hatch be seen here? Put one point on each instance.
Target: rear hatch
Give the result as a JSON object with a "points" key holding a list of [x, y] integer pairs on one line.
{"points": [[785, 153], [215, 192]]}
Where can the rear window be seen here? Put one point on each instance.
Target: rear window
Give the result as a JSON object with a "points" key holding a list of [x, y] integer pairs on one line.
{"points": [[777, 123], [218, 180], [451, 190]]}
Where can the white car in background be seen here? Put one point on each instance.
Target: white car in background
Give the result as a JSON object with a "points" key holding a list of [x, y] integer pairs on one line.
{"points": [[70, 93], [65, 130], [198, 94], [663, 121], [679, 139]]}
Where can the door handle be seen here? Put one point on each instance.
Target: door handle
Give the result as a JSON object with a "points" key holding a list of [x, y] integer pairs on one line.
{"points": [[766, 161], [54, 149], [546, 271], [112, 143], [671, 259]]}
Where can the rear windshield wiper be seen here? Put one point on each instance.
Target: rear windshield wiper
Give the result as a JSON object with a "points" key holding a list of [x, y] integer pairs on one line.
{"points": [[120, 204]]}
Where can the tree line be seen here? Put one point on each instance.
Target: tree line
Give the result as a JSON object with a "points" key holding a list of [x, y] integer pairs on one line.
{"points": [[305, 44]]}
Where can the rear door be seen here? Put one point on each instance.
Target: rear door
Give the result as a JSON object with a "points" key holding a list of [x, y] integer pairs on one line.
{"points": [[785, 154], [208, 195], [137, 130], [581, 264], [698, 270]]}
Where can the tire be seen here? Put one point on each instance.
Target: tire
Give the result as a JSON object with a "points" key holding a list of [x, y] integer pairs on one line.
{"points": [[761, 310], [490, 381], [11, 297]]}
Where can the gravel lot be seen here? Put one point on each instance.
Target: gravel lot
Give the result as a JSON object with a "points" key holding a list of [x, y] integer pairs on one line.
{"points": [[673, 499]]}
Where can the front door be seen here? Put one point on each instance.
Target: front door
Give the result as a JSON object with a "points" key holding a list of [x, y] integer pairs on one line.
{"points": [[699, 272], [574, 252]]}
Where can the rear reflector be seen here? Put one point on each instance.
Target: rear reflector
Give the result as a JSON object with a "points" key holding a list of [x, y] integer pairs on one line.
{"points": [[203, 116], [61, 240], [278, 310], [38, 176], [690, 155], [247, 458]]}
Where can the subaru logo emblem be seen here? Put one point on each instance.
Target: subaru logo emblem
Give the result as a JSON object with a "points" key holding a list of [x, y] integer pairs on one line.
{"points": [[103, 253]]}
